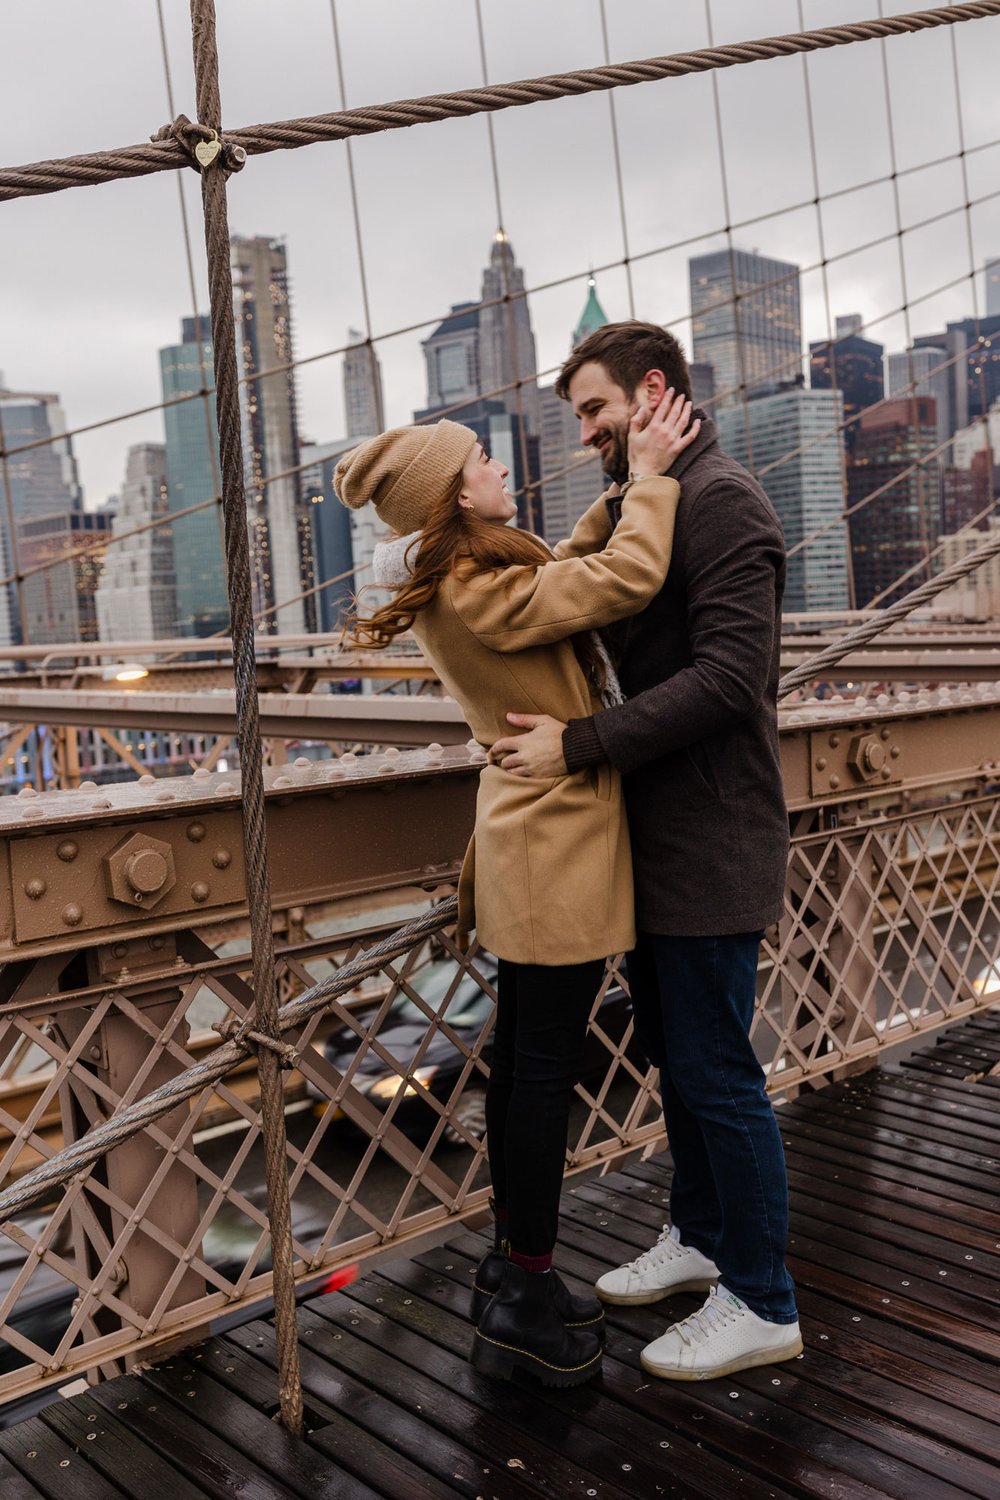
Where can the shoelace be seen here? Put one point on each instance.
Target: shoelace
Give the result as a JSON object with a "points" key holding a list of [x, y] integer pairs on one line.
{"points": [[664, 1249], [709, 1319]]}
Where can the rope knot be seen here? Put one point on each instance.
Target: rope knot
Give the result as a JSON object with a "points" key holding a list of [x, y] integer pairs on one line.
{"points": [[234, 1030], [203, 145]]}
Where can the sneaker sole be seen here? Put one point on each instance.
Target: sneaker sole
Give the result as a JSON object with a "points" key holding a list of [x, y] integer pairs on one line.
{"points": [[503, 1361], [751, 1361], [644, 1299]]}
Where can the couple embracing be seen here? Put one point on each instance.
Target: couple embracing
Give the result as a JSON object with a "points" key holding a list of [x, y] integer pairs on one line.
{"points": [[639, 809]]}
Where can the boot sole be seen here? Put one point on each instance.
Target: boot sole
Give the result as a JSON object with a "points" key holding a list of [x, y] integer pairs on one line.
{"points": [[502, 1361], [764, 1357], [644, 1299]]}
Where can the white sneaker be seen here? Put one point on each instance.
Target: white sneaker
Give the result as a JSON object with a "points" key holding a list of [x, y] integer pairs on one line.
{"points": [[667, 1268], [720, 1338]]}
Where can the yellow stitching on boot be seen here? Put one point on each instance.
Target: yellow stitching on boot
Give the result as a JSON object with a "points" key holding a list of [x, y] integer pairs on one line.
{"points": [[513, 1349]]}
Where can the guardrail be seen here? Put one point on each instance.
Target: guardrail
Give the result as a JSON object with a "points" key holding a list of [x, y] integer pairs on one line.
{"points": [[124, 935]]}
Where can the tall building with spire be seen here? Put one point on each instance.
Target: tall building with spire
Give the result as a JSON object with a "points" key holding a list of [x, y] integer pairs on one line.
{"points": [[571, 475], [507, 357], [364, 405], [280, 531]]}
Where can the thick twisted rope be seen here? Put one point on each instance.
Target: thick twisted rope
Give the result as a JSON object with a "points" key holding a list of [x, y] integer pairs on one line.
{"points": [[816, 665], [169, 155], [264, 1019]]}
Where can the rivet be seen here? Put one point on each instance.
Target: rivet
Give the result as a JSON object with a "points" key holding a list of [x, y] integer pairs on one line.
{"points": [[302, 761], [821, 763], [199, 891], [196, 831], [894, 752], [119, 950], [225, 786], [834, 739], [101, 805], [164, 796], [348, 758], [834, 781], [68, 850], [222, 859], [35, 888], [72, 914], [147, 780], [391, 752], [34, 811], [157, 941], [884, 733], [27, 791], [87, 786], [201, 774], [282, 781]]}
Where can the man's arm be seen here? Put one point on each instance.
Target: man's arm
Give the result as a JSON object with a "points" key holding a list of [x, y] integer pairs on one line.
{"points": [[733, 550]]}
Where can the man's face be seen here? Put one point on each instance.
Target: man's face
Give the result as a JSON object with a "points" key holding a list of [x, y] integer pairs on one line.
{"points": [[604, 411]]}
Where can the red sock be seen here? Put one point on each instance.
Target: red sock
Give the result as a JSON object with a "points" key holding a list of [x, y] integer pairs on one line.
{"points": [[534, 1263]]}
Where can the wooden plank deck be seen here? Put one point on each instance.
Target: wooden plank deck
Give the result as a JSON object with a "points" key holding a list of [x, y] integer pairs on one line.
{"points": [[896, 1253]]}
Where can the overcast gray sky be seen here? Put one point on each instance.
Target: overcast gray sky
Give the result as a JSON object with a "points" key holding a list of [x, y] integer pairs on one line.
{"points": [[93, 281]]}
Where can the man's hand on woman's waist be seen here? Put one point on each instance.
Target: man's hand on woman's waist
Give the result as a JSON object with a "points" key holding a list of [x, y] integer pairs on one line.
{"points": [[538, 753]]}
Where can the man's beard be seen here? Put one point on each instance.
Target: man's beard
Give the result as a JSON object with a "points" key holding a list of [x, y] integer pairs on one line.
{"points": [[615, 455]]}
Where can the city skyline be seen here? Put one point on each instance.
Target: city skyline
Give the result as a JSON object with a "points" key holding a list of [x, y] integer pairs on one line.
{"points": [[126, 282]]}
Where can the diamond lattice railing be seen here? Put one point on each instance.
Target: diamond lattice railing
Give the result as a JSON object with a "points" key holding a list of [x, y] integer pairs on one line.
{"points": [[890, 928]]}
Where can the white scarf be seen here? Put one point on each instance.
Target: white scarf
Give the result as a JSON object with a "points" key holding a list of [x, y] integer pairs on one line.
{"points": [[392, 567]]}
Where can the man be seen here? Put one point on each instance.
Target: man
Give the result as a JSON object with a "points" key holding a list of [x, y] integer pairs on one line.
{"points": [[696, 741]]}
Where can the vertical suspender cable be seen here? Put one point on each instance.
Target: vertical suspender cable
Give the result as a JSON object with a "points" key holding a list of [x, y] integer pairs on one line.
{"points": [[265, 1016]]}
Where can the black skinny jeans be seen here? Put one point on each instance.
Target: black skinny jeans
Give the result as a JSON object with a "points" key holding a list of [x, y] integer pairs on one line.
{"points": [[541, 1029]]}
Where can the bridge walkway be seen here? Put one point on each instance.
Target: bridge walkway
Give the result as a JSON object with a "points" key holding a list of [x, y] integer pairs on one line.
{"points": [[895, 1247]]}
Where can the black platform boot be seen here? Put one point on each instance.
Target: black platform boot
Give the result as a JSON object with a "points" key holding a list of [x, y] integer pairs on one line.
{"points": [[521, 1329], [584, 1313]]}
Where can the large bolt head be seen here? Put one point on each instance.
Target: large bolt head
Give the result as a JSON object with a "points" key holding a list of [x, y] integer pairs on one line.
{"points": [[139, 871]]}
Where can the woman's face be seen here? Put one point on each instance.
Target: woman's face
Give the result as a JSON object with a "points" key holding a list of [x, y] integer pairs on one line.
{"points": [[483, 488]]}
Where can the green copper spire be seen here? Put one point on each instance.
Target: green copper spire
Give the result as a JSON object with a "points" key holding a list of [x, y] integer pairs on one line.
{"points": [[593, 316]]}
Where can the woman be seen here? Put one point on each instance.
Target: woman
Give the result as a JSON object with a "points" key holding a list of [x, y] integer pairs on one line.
{"points": [[547, 881]]}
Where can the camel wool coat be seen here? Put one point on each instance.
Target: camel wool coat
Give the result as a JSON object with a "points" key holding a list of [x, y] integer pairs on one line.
{"points": [[548, 875]]}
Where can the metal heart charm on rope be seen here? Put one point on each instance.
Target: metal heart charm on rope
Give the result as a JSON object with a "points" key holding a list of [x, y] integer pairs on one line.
{"points": [[206, 151]]}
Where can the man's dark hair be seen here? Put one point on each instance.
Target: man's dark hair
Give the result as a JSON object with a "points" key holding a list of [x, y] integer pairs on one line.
{"points": [[626, 351]]}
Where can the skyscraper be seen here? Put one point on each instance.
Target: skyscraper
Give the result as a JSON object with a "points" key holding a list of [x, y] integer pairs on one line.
{"points": [[894, 532], [806, 489], [925, 368], [42, 479], [993, 288], [280, 531], [363, 402], [136, 598], [507, 357], [570, 474], [852, 365], [451, 354], [59, 602], [746, 320], [331, 529], [193, 476]]}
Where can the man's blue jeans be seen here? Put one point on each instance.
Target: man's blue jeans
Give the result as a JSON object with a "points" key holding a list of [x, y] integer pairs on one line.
{"points": [[693, 1001]]}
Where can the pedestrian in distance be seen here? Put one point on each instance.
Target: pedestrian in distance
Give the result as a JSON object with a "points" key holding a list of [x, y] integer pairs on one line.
{"points": [[547, 881], [696, 743]]}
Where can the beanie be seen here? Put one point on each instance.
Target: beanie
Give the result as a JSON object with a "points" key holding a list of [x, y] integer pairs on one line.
{"points": [[405, 472]]}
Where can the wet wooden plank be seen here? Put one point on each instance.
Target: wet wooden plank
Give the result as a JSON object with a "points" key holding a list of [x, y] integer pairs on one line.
{"points": [[14, 1485], [231, 1416], [398, 1365], [374, 1467], [133, 1468], [219, 1469], [54, 1467]]}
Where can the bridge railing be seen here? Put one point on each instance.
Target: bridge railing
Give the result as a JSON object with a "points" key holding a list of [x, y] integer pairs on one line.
{"points": [[125, 941]]}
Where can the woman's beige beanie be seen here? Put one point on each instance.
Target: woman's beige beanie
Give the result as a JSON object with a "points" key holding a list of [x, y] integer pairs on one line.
{"points": [[405, 472]]}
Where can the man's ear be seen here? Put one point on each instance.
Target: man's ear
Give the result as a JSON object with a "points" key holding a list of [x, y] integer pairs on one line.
{"points": [[653, 387]]}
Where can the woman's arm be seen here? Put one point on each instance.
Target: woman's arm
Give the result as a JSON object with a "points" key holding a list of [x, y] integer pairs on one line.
{"points": [[590, 534], [515, 608]]}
